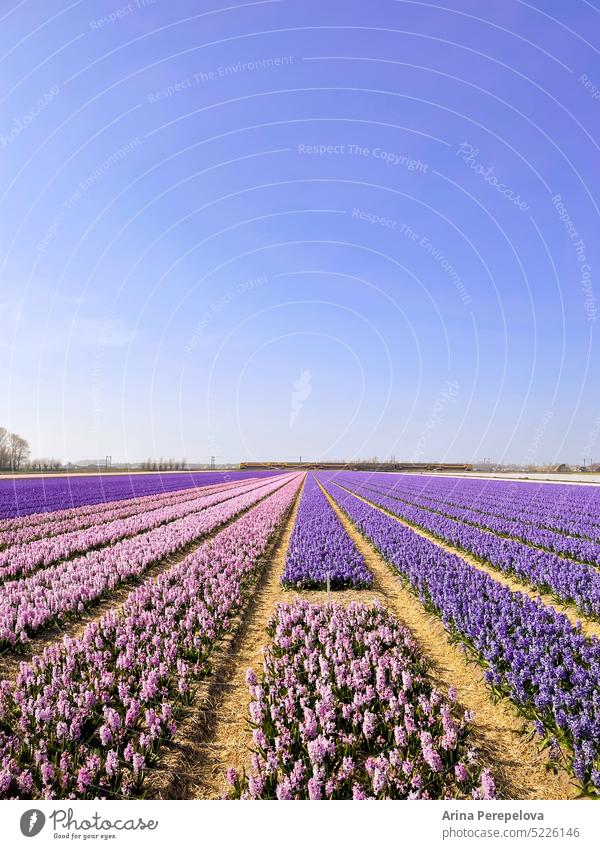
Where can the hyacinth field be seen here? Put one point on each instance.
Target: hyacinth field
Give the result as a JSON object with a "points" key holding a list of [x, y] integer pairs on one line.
{"points": [[123, 600]]}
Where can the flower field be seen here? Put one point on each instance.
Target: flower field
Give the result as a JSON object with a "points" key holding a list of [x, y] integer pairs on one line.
{"points": [[294, 596]]}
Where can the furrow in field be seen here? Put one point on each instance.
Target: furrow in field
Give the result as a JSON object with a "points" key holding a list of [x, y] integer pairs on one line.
{"points": [[519, 764], [589, 628]]}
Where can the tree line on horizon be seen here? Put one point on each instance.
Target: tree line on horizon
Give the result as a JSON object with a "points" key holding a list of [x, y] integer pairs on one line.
{"points": [[163, 465]]}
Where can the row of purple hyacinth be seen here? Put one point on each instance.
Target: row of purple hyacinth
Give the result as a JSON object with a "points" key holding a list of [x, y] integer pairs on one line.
{"points": [[532, 653], [88, 717], [569, 510], [557, 500], [567, 580], [21, 560], [63, 591], [344, 709], [21, 496], [579, 548], [546, 510], [320, 549], [38, 525]]}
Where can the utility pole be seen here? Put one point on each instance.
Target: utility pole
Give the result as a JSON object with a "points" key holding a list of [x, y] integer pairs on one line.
{"points": [[108, 461], [212, 462]]}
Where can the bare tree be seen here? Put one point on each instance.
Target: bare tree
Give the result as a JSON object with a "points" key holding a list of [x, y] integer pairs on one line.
{"points": [[19, 451], [14, 450]]}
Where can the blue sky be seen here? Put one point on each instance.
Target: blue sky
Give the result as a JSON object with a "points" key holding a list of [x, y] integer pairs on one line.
{"points": [[292, 228]]}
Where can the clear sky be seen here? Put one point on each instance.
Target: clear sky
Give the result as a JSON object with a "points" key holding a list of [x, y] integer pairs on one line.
{"points": [[328, 229]]}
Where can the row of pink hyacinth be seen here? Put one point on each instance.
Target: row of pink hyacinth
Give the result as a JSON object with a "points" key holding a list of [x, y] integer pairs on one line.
{"points": [[36, 525], [344, 709], [65, 590], [88, 717], [21, 560]]}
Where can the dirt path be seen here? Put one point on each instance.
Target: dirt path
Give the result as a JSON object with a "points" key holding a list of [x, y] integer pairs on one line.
{"points": [[588, 626]]}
